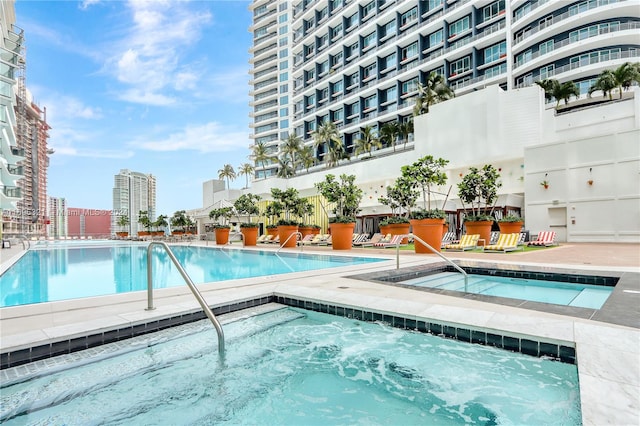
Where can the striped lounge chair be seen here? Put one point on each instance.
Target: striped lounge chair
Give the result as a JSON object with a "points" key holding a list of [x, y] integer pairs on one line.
{"points": [[505, 243], [545, 238], [467, 242], [394, 241], [448, 238]]}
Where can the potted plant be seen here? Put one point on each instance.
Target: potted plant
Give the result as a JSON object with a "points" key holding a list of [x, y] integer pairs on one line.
{"points": [[510, 224], [545, 184], [161, 222], [272, 212], [143, 219], [222, 227], [178, 222], [400, 196], [426, 222], [123, 221], [247, 204], [345, 196], [289, 202], [479, 189], [304, 210]]}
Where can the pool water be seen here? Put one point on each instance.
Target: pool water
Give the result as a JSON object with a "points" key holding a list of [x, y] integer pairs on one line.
{"points": [[556, 292], [295, 367], [70, 273]]}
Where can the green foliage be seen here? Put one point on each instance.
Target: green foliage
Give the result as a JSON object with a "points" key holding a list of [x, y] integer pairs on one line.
{"points": [[479, 188], [428, 214], [288, 201], [143, 219], [425, 173], [123, 221], [247, 204], [222, 215], [161, 222], [511, 219], [433, 91], [249, 225], [179, 219], [345, 194], [401, 195], [288, 222], [392, 220]]}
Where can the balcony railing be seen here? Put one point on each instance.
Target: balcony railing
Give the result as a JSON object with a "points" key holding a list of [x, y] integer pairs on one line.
{"points": [[12, 192]]}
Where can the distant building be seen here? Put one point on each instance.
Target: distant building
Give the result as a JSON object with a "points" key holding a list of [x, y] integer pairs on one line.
{"points": [[58, 224], [88, 223], [133, 192]]}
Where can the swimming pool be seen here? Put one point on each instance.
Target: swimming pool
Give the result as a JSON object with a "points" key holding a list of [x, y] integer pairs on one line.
{"points": [[51, 274], [292, 366], [556, 292]]}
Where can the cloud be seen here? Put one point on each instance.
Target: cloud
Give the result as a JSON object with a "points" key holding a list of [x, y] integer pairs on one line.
{"points": [[210, 137], [87, 3], [150, 55]]}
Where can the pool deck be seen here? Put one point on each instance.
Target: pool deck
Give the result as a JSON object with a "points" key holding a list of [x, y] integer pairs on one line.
{"points": [[608, 354]]}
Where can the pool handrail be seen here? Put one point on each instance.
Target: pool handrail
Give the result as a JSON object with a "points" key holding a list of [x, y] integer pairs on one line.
{"points": [[190, 284], [297, 234], [446, 259]]}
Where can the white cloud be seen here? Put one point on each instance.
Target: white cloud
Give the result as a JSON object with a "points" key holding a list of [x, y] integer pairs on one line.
{"points": [[210, 137], [87, 3], [148, 58]]}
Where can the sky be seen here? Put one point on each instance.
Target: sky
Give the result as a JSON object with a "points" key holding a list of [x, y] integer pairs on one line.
{"points": [[157, 87]]}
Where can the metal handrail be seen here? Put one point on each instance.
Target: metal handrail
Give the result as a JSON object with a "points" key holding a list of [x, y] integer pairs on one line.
{"points": [[191, 286], [446, 259], [297, 233]]}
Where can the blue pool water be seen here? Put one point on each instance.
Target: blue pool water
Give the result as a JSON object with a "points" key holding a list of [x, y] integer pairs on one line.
{"points": [[294, 367], [69, 273], [556, 292]]}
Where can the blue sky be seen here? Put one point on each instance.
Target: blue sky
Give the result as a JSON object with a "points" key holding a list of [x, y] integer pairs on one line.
{"points": [[157, 87]]}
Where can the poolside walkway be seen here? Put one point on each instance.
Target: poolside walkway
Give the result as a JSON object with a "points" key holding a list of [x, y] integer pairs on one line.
{"points": [[608, 355]]}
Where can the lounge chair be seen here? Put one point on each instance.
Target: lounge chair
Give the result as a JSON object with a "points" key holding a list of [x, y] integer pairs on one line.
{"points": [[523, 239], [448, 238], [545, 238], [467, 242], [375, 238], [393, 242], [506, 243], [494, 237], [264, 238], [306, 239], [315, 240], [326, 241]]}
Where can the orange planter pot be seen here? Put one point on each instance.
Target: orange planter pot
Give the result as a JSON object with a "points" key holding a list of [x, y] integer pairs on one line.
{"points": [[483, 228], [510, 227], [306, 230], [400, 229], [284, 231], [222, 236], [341, 235], [428, 230], [272, 231], [122, 234], [250, 236]]}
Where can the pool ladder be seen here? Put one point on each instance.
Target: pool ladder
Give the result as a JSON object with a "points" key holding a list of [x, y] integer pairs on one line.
{"points": [[446, 259], [191, 286]]}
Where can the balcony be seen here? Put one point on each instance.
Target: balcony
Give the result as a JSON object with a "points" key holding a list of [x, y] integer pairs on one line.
{"points": [[12, 192]]}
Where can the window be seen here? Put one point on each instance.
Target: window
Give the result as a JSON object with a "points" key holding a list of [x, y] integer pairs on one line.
{"points": [[352, 20], [282, 18], [336, 60], [525, 10], [369, 71], [283, 30], [410, 51], [369, 40], [547, 72], [410, 86], [284, 76], [371, 102], [459, 26], [336, 4], [284, 100], [354, 108], [260, 32], [460, 66], [409, 17], [323, 68], [389, 61], [284, 65], [368, 9], [593, 30], [354, 79], [323, 95], [389, 29], [545, 22], [308, 50], [433, 4], [284, 53], [336, 88], [391, 94], [435, 38], [336, 31], [495, 52], [493, 10], [525, 80], [497, 70], [311, 75], [523, 57], [546, 47], [323, 14], [323, 41], [354, 50], [311, 101], [338, 115]]}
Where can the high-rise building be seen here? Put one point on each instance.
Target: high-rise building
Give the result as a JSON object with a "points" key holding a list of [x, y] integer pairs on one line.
{"points": [[359, 63], [24, 156], [12, 61], [133, 192], [58, 224]]}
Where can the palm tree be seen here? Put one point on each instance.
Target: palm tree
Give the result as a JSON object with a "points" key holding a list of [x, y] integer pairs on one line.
{"points": [[285, 169], [404, 130], [307, 159], [260, 153], [335, 154], [246, 169], [328, 134], [547, 86], [564, 91], [367, 141], [433, 91], [292, 146], [389, 133], [227, 173], [621, 78], [605, 82]]}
